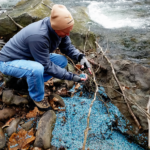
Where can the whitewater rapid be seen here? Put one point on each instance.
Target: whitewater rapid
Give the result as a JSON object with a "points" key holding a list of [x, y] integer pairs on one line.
{"points": [[120, 13], [111, 13]]}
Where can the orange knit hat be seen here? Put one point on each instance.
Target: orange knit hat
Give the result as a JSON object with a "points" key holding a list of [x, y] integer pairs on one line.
{"points": [[61, 18]]}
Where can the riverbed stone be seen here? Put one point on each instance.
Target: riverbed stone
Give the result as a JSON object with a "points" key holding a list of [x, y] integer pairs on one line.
{"points": [[9, 98], [13, 127], [44, 131], [2, 139], [28, 125], [7, 113]]}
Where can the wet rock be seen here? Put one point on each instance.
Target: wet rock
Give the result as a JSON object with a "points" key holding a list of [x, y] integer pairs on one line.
{"points": [[66, 83], [7, 113], [24, 15], [28, 125], [9, 98], [69, 84], [13, 127], [45, 128], [60, 101], [2, 139], [135, 81]]}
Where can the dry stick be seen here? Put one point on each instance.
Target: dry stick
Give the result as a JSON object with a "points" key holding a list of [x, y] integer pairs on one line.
{"points": [[100, 98], [148, 108], [88, 118], [73, 63], [130, 101], [113, 71], [93, 63], [86, 39], [47, 6], [15, 22]]}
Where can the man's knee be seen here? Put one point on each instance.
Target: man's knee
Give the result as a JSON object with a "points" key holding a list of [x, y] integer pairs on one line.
{"points": [[64, 61], [39, 70]]}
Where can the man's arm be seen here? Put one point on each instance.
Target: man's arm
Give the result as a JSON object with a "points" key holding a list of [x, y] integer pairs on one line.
{"points": [[67, 48], [39, 49]]}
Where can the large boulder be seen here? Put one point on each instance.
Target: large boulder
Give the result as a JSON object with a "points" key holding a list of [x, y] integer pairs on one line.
{"points": [[44, 131], [26, 12], [135, 81]]}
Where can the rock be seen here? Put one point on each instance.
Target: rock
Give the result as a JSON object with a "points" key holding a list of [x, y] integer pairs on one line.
{"points": [[60, 101], [9, 98], [44, 131], [70, 68], [135, 81], [2, 139], [13, 127], [27, 12], [28, 125], [7, 113]]}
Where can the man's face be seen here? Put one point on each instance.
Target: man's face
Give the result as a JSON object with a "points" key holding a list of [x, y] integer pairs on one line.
{"points": [[64, 32]]}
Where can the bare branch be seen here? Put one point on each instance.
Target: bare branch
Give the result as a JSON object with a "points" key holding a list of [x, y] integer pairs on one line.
{"points": [[47, 6], [88, 118], [114, 74], [148, 108], [15, 22]]}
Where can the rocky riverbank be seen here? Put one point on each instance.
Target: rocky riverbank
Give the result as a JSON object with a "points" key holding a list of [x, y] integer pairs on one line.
{"points": [[133, 78]]}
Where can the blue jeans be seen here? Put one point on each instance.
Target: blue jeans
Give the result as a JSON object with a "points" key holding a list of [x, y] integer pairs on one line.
{"points": [[33, 72]]}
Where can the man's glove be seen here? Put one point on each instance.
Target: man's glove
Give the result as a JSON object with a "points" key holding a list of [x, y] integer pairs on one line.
{"points": [[79, 79], [85, 64]]}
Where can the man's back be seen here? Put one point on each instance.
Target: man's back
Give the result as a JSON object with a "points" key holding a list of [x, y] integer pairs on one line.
{"points": [[17, 46]]}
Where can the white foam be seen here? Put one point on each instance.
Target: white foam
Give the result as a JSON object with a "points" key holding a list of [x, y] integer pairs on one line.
{"points": [[117, 14]]}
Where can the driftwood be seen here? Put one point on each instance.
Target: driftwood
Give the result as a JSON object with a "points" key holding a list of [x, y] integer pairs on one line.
{"points": [[114, 74], [88, 118], [148, 108]]}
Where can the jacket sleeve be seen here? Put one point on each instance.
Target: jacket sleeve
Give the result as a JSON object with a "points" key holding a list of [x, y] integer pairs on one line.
{"points": [[39, 48], [67, 48]]}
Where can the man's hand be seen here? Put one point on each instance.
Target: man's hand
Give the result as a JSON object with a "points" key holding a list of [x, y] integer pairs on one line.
{"points": [[85, 64], [79, 79]]}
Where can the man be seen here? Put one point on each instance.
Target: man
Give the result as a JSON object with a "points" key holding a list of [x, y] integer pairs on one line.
{"points": [[29, 53]]}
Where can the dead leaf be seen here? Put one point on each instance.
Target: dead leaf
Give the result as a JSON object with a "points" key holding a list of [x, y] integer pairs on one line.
{"points": [[81, 93], [49, 83], [21, 140], [64, 92], [61, 109], [77, 86], [78, 66], [36, 148], [34, 113], [127, 87], [55, 99], [7, 124]]}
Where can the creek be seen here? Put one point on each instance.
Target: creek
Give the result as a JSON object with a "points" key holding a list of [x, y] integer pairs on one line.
{"points": [[122, 26]]}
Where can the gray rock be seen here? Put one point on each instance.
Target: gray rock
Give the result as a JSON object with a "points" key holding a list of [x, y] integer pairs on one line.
{"points": [[13, 127], [27, 12], [135, 80], [9, 98], [45, 128], [60, 100], [28, 125], [7, 113], [2, 139]]}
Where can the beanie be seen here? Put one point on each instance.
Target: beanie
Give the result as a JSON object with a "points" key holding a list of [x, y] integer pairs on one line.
{"points": [[61, 18]]}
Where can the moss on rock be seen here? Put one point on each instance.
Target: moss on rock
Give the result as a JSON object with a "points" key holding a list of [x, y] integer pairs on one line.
{"points": [[29, 11]]}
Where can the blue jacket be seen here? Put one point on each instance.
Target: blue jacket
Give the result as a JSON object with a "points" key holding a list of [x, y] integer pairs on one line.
{"points": [[35, 42]]}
